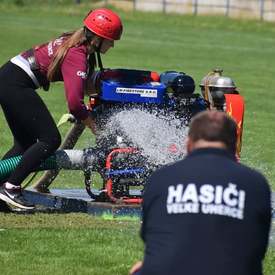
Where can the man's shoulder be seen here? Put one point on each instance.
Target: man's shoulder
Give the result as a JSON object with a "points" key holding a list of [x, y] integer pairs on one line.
{"points": [[249, 171], [171, 166], [208, 163], [165, 172], [220, 158]]}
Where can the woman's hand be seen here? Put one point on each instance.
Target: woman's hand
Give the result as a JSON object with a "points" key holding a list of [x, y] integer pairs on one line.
{"points": [[90, 123], [136, 267]]}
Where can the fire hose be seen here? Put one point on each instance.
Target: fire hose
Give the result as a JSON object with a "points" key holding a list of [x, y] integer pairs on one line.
{"points": [[62, 159]]}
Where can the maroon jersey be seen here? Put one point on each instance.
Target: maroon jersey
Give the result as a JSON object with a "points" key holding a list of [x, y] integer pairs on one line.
{"points": [[73, 72]]}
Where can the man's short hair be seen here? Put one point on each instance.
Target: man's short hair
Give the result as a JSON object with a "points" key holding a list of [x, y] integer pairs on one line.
{"points": [[214, 126]]}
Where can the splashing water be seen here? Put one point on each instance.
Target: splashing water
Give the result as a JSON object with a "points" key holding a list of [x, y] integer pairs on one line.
{"points": [[159, 137]]}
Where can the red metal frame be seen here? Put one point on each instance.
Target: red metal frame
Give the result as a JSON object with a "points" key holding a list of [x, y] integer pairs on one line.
{"points": [[109, 182]]}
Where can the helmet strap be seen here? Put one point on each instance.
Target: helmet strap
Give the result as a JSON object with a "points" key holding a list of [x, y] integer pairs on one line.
{"points": [[93, 60], [88, 34], [99, 61]]}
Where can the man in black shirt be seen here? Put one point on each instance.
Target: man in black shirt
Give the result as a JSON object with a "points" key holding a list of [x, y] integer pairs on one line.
{"points": [[206, 214]]}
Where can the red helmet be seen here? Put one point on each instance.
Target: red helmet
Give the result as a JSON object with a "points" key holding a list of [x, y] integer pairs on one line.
{"points": [[104, 23]]}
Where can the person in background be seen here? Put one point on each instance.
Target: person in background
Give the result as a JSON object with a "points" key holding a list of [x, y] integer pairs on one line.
{"points": [[206, 214], [70, 58]]}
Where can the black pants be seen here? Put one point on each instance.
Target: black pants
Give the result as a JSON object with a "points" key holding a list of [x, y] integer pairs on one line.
{"points": [[36, 136]]}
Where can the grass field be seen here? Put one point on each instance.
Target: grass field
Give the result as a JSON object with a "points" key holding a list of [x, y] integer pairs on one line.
{"points": [[73, 244], [245, 49], [80, 244], [67, 244]]}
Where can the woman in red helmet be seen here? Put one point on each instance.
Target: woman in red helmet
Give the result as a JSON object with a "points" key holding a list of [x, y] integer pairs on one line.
{"points": [[69, 58]]}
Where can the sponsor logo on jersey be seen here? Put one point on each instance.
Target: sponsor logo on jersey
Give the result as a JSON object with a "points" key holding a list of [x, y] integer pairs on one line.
{"points": [[138, 91], [56, 42], [206, 199], [83, 75]]}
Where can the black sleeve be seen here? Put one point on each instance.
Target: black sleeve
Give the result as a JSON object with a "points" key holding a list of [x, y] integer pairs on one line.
{"points": [[266, 212], [145, 208], [150, 192]]}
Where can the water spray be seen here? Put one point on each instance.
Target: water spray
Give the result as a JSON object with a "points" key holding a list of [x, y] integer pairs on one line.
{"points": [[143, 119]]}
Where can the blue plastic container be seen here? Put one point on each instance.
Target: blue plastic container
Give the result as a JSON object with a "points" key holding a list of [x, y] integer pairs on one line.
{"points": [[148, 92]]}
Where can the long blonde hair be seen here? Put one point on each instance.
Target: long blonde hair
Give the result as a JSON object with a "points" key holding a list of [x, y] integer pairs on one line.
{"points": [[72, 39]]}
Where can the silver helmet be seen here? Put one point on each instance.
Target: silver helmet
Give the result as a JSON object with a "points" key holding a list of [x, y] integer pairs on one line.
{"points": [[213, 74], [222, 82], [205, 84]]}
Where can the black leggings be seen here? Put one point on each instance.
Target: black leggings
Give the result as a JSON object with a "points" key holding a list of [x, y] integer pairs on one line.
{"points": [[36, 136]]}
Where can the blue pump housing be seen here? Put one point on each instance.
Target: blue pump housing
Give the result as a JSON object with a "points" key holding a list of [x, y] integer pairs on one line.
{"points": [[125, 92]]}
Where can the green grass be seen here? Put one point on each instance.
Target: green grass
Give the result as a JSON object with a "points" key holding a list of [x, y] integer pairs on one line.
{"points": [[245, 49], [73, 244]]}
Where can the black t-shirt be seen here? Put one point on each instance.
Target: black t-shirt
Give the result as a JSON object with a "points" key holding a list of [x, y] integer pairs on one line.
{"points": [[206, 215]]}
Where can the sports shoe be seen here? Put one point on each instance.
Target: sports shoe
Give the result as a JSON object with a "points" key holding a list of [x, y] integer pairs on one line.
{"points": [[14, 197]]}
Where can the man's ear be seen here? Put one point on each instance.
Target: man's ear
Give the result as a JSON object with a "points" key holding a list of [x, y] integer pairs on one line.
{"points": [[189, 145]]}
